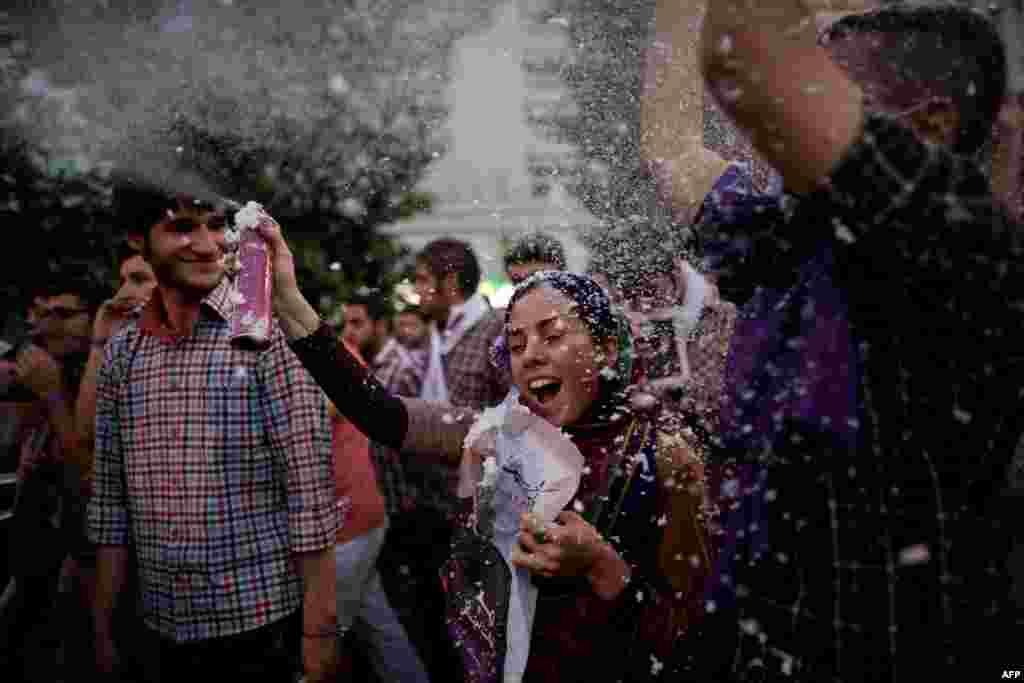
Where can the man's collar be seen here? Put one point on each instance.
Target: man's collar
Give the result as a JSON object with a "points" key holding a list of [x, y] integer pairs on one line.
{"points": [[219, 300], [154, 316]]}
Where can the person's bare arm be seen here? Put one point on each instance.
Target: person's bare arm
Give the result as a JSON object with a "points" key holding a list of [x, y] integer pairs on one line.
{"points": [[111, 574], [763, 63], [85, 410], [318, 580], [1006, 161], [109, 318], [39, 372], [1006, 156], [319, 613], [672, 110]]}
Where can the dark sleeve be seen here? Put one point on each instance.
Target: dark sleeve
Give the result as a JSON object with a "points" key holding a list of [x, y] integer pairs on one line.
{"points": [[932, 215], [916, 218], [746, 247], [352, 387]]}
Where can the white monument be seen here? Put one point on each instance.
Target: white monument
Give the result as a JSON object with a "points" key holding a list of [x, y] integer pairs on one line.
{"points": [[484, 193]]}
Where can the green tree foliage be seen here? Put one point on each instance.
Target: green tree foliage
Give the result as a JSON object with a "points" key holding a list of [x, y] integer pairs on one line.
{"points": [[325, 111]]}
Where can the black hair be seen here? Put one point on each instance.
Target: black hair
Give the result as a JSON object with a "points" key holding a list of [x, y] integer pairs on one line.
{"points": [[536, 247], [954, 50], [447, 255], [124, 251], [81, 281], [377, 307], [139, 204]]}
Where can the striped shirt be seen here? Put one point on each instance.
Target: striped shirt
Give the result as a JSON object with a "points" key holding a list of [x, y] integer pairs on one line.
{"points": [[215, 462], [399, 369], [473, 382]]}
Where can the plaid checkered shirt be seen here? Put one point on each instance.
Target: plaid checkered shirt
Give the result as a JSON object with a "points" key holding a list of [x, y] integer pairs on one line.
{"points": [[399, 370], [214, 462], [874, 386], [473, 382]]}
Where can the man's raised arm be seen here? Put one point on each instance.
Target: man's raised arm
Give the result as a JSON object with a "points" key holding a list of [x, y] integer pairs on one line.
{"points": [[763, 64], [672, 109]]}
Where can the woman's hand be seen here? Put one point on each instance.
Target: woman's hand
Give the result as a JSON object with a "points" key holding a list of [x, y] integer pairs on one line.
{"points": [[281, 259], [570, 547], [298, 318]]}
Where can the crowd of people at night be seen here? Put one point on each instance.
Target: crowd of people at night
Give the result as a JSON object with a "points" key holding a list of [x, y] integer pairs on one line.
{"points": [[796, 439]]}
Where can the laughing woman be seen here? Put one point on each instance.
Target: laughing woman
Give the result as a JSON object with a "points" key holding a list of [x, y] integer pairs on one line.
{"points": [[608, 610]]}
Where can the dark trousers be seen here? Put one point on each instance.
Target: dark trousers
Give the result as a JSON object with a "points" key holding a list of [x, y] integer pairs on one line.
{"points": [[416, 546], [30, 631], [270, 653]]}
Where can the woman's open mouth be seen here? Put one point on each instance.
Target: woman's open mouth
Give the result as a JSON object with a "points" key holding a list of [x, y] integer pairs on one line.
{"points": [[544, 390]]}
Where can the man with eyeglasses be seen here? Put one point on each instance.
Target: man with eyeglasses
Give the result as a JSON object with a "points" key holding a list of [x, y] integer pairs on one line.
{"points": [[48, 368], [135, 286], [62, 325]]}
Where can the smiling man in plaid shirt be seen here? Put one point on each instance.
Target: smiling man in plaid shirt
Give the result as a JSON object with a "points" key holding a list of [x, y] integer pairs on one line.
{"points": [[213, 473]]}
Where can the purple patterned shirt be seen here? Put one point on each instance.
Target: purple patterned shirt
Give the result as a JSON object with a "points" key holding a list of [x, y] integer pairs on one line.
{"points": [[874, 386]]}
